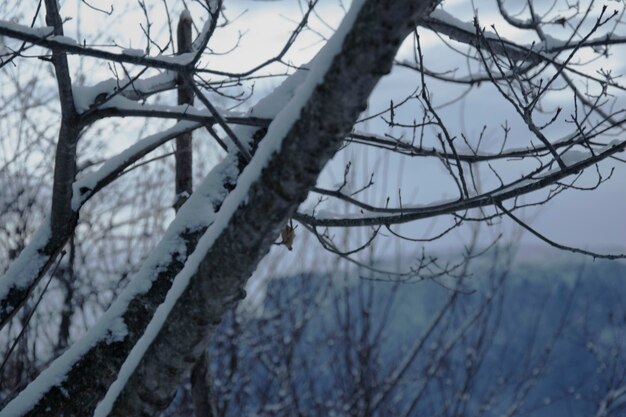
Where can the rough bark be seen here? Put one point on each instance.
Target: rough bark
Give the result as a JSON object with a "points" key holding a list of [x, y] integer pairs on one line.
{"points": [[202, 388], [183, 154], [61, 214], [328, 116]]}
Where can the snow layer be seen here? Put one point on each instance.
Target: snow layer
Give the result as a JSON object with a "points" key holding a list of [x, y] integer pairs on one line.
{"points": [[30, 260], [134, 52], [85, 96], [40, 31], [572, 156], [185, 15], [82, 187]]}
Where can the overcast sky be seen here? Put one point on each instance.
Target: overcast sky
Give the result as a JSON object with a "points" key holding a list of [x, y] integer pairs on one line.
{"points": [[588, 219], [259, 30]]}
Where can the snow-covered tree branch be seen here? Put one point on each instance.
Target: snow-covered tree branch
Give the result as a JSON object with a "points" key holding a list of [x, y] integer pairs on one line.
{"points": [[269, 164]]}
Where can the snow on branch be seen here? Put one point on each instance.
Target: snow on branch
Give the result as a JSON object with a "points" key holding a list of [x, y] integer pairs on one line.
{"points": [[178, 242], [41, 37], [445, 23], [276, 181]]}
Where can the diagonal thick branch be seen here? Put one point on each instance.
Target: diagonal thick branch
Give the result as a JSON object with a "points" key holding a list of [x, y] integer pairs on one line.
{"points": [[61, 389], [268, 193], [61, 215]]}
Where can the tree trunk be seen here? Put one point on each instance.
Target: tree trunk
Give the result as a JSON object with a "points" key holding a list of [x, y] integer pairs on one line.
{"points": [[183, 154], [278, 182], [202, 387]]}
